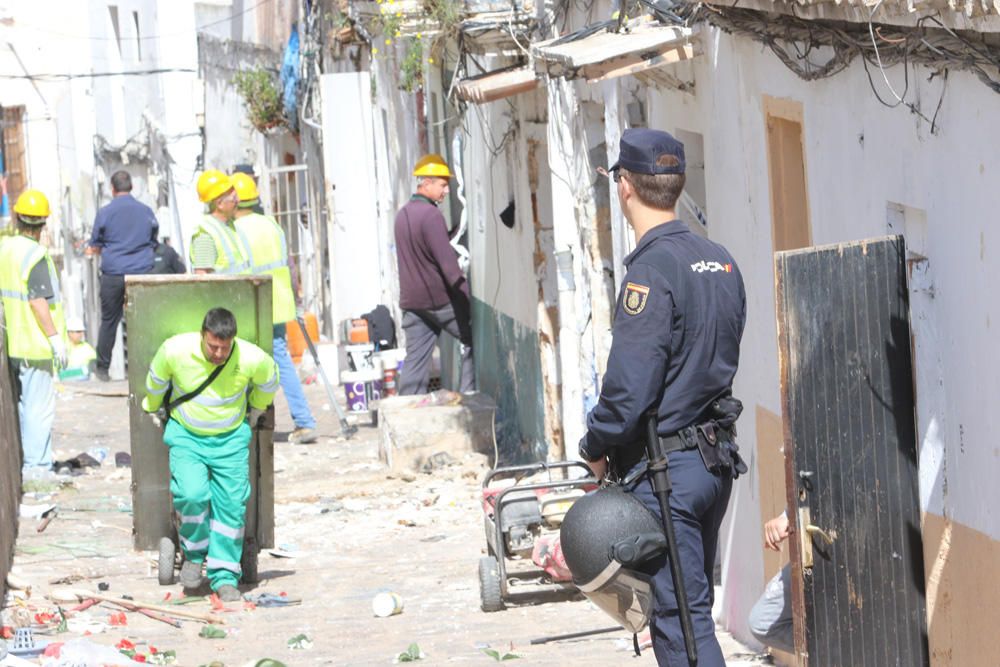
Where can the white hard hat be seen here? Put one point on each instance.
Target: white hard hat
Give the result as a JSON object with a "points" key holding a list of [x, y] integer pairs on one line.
{"points": [[74, 323]]}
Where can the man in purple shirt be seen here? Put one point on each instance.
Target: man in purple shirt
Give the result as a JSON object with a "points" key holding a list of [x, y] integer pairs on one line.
{"points": [[124, 236], [433, 291]]}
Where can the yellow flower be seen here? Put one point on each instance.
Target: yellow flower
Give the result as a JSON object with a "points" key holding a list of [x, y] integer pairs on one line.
{"points": [[399, 15], [419, 36], [430, 61], [388, 42], [374, 51]]}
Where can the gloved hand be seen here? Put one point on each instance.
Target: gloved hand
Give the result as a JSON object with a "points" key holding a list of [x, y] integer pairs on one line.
{"points": [[58, 349], [255, 416]]}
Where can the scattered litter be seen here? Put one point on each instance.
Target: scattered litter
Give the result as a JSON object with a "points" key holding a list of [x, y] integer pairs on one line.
{"points": [[495, 654], [387, 604], [24, 644], [286, 550], [16, 582], [300, 642], [212, 632], [272, 600], [123, 460], [82, 624], [103, 586], [152, 656], [118, 619], [98, 454], [85, 652], [438, 461], [267, 662], [35, 511], [434, 538], [411, 654]]}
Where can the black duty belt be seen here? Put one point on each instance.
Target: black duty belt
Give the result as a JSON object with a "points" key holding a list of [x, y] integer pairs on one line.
{"points": [[685, 439]]}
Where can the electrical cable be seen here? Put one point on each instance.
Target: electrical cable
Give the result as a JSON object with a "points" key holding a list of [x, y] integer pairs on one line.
{"points": [[98, 38], [97, 75]]}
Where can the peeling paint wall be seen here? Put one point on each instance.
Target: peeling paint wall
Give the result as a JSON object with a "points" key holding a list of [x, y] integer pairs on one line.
{"points": [[870, 171]]}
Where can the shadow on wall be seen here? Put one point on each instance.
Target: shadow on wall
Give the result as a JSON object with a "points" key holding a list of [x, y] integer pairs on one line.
{"points": [[508, 369], [10, 463]]}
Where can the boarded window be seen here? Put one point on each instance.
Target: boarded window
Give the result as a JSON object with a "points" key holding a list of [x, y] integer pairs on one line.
{"points": [[14, 150], [787, 166]]}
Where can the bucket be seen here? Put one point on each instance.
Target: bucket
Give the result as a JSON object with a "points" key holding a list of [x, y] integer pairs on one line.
{"points": [[296, 343], [361, 389], [387, 604]]}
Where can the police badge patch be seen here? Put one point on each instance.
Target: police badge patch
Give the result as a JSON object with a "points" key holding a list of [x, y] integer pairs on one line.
{"points": [[635, 298]]}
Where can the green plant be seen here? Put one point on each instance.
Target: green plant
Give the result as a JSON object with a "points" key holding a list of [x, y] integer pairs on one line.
{"points": [[411, 69], [262, 96], [447, 14]]}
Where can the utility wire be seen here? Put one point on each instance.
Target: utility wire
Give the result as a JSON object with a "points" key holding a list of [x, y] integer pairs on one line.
{"points": [[148, 37], [96, 75]]}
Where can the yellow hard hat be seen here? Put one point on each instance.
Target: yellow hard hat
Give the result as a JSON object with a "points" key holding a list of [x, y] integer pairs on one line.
{"points": [[245, 187], [432, 165], [33, 204], [212, 184]]}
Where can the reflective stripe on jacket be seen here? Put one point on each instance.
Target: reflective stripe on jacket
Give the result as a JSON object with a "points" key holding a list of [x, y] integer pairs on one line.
{"points": [[222, 405], [265, 247], [229, 257], [25, 338]]}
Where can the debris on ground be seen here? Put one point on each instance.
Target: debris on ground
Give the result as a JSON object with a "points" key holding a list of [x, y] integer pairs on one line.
{"points": [[212, 632], [411, 654], [300, 642]]}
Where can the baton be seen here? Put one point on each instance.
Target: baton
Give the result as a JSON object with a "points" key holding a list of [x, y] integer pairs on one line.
{"points": [[345, 428], [660, 478]]}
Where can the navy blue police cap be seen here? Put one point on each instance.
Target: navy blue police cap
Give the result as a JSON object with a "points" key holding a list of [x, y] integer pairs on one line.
{"points": [[641, 147]]}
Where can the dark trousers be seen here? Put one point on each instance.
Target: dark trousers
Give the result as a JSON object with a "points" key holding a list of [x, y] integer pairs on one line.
{"points": [[698, 503], [422, 328], [112, 306]]}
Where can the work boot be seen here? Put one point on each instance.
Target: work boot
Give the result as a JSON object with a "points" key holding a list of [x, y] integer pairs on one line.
{"points": [[190, 575], [102, 374], [302, 436], [228, 593]]}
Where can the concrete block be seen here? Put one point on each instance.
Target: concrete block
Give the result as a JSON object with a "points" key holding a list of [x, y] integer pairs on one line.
{"points": [[410, 433]]}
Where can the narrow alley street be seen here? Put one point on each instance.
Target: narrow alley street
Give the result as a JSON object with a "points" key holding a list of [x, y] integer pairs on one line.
{"points": [[347, 531]]}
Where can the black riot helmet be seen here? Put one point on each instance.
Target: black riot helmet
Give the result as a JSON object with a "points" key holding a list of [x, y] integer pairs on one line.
{"points": [[605, 537]]}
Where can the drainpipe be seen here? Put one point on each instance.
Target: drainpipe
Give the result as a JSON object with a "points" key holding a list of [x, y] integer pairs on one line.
{"points": [[562, 149]]}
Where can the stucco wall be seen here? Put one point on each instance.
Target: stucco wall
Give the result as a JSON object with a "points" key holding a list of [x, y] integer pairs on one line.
{"points": [[861, 159]]}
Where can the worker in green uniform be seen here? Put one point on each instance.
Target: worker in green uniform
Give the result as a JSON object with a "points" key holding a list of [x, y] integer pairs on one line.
{"points": [[35, 329], [215, 247], [265, 248], [208, 436]]}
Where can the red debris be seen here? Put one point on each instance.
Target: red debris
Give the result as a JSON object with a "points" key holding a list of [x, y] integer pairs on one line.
{"points": [[118, 619]]}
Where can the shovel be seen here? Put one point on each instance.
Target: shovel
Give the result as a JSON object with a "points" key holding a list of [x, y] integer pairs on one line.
{"points": [[345, 428]]}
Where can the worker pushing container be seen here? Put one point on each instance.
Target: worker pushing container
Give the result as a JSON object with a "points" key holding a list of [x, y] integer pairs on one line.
{"points": [[156, 308]]}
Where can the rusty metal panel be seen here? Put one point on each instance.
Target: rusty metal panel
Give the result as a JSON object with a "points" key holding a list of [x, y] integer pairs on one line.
{"points": [[156, 308], [10, 462], [851, 456]]}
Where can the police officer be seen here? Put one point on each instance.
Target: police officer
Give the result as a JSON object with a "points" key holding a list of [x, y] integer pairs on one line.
{"points": [[675, 349]]}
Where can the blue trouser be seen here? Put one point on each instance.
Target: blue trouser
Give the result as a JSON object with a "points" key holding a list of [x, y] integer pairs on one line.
{"points": [[289, 379], [210, 483], [771, 618], [36, 408], [698, 502]]}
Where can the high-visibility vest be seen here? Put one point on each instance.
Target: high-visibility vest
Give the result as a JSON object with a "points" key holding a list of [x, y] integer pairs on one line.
{"points": [[80, 355], [180, 363], [265, 247], [25, 338], [229, 258]]}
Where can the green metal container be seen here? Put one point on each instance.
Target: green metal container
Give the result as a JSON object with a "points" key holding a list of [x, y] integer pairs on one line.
{"points": [[156, 308]]}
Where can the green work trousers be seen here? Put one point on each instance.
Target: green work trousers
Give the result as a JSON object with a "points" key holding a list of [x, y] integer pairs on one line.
{"points": [[210, 482]]}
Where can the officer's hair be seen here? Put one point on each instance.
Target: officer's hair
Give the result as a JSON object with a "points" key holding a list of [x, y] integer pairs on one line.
{"points": [[660, 191], [121, 181], [220, 323]]}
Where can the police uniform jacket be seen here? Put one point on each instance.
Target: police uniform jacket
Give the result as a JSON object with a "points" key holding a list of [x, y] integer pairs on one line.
{"points": [[676, 336]]}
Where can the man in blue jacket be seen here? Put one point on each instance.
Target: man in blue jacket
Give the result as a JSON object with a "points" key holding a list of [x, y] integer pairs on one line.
{"points": [[124, 236]]}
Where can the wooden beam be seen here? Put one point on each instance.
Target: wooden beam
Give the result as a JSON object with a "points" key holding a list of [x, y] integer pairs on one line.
{"points": [[638, 62]]}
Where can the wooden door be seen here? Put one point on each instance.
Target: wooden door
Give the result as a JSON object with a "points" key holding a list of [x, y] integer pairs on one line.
{"points": [[851, 455]]}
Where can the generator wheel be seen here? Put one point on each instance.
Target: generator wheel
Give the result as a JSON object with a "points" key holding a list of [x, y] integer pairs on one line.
{"points": [[490, 596], [165, 562], [248, 563]]}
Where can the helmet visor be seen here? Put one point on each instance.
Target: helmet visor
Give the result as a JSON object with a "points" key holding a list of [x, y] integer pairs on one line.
{"points": [[625, 595]]}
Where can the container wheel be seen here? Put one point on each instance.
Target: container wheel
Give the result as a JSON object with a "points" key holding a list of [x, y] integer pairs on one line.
{"points": [[248, 563], [166, 560], [491, 599]]}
